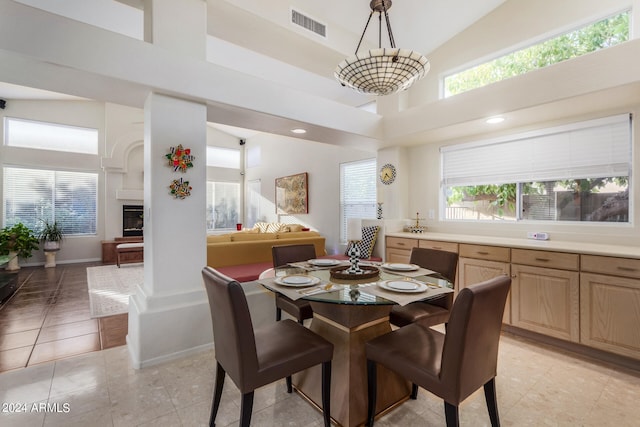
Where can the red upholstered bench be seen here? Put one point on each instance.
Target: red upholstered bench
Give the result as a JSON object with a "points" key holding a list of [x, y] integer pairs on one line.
{"points": [[245, 272]]}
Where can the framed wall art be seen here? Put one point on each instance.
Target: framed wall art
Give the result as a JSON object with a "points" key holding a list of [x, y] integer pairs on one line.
{"points": [[292, 194]]}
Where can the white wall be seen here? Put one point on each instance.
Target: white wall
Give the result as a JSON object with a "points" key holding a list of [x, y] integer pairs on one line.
{"points": [[282, 156]]}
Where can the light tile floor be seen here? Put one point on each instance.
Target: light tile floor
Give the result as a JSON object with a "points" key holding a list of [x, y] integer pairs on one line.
{"points": [[536, 386]]}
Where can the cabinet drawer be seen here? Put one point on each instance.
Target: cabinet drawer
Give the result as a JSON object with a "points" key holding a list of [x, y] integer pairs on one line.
{"points": [[440, 246], [625, 267], [491, 253], [401, 242], [548, 259]]}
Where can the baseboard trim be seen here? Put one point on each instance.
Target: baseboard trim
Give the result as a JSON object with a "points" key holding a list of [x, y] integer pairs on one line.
{"points": [[576, 348]]}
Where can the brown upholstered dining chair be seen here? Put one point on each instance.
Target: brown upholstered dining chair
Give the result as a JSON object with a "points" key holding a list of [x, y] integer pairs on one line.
{"points": [[435, 311], [453, 365], [254, 358], [283, 255]]}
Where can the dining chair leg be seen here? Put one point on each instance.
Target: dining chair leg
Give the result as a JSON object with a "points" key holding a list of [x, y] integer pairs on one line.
{"points": [[414, 391], [278, 314], [372, 391], [451, 415], [217, 393], [492, 402], [289, 386], [246, 408], [326, 393]]}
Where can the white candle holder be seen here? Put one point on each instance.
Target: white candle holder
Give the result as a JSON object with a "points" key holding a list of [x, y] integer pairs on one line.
{"points": [[354, 258]]}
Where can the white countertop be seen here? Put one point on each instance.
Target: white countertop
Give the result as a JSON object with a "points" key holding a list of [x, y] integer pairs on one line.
{"points": [[544, 245]]}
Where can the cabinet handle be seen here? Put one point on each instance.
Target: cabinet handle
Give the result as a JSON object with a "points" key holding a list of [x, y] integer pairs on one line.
{"points": [[400, 244], [627, 269], [437, 247], [483, 253], [542, 259]]}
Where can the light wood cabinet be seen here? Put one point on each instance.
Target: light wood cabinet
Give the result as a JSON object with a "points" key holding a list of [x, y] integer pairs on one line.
{"points": [[545, 293], [440, 246], [610, 304], [399, 249], [480, 263]]}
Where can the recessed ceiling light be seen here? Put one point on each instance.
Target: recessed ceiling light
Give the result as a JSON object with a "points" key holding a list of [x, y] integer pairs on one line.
{"points": [[298, 130], [494, 120]]}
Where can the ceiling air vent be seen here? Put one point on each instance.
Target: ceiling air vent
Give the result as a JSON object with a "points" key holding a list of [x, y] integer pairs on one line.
{"points": [[308, 23]]}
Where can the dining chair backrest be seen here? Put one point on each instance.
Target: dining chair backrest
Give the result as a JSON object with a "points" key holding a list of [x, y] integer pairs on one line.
{"points": [[233, 335], [285, 254], [470, 352], [443, 262]]}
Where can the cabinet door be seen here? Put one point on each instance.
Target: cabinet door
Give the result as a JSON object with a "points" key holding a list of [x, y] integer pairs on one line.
{"points": [[546, 301], [472, 271], [610, 313], [398, 255]]}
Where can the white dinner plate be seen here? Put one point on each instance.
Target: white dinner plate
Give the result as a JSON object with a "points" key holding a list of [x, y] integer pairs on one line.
{"points": [[408, 286], [400, 267], [297, 280], [324, 262]]}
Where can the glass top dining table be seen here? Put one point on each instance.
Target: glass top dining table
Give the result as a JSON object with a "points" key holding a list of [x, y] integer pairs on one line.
{"points": [[359, 291], [348, 313]]}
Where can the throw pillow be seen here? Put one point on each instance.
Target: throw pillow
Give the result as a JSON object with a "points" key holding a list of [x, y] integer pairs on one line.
{"points": [[369, 235]]}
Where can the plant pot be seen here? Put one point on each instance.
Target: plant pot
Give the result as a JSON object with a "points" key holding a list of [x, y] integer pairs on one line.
{"points": [[13, 262], [51, 246]]}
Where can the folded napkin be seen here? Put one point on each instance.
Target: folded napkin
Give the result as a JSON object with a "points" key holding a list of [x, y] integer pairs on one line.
{"points": [[404, 298]]}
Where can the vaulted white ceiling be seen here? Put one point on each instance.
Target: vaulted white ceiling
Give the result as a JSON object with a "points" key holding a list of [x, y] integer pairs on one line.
{"points": [[257, 38]]}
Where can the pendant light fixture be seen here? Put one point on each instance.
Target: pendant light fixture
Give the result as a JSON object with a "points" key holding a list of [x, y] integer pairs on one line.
{"points": [[382, 71]]}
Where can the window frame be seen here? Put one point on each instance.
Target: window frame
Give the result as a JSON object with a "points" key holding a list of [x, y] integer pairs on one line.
{"points": [[530, 43], [9, 139]]}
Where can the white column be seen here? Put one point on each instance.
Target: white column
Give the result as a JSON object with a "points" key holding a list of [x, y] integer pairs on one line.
{"points": [[169, 314]]}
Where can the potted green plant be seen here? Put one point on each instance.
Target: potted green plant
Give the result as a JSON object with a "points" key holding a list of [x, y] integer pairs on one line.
{"points": [[17, 241], [51, 235]]}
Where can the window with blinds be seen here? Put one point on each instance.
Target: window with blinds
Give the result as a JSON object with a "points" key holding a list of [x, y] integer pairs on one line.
{"points": [[32, 196], [357, 192], [578, 172]]}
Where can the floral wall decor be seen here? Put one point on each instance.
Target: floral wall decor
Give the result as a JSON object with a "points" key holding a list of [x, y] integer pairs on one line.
{"points": [[180, 158], [180, 189]]}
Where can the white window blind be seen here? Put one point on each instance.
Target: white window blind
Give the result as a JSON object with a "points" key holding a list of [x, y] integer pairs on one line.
{"points": [[591, 149], [32, 196], [357, 192], [50, 136]]}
